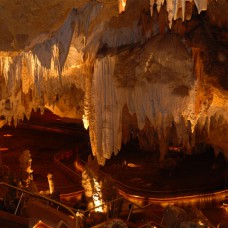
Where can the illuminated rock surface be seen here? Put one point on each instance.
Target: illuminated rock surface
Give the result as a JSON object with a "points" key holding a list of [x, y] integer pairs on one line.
{"points": [[123, 74]]}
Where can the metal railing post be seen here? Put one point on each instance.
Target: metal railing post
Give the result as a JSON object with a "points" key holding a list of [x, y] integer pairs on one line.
{"points": [[41, 197], [108, 206], [19, 202], [129, 215]]}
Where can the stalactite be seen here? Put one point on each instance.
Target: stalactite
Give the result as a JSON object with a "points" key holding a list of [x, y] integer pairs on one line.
{"points": [[149, 98], [159, 84], [44, 69], [102, 120], [151, 7], [87, 103], [173, 7], [122, 5], [170, 10], [108, 98], [159, 4]]}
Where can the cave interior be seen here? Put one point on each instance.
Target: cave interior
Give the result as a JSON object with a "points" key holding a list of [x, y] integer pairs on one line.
{"points": [[137, 89]]}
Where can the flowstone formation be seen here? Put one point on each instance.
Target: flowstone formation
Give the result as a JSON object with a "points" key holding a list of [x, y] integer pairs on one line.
{"points": [[156, 69], [164, 85]]}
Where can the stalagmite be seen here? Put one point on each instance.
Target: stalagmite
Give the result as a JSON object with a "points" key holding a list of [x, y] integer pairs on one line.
{"points": [[93, 186], [26, 173], [51, 183]]}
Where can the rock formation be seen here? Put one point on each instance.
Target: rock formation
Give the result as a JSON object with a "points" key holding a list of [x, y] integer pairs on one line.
{"points": [[122, 66]]}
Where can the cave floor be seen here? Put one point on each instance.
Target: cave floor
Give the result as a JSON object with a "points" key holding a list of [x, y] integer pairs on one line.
{"points": [[177, 173], [42, 145]]}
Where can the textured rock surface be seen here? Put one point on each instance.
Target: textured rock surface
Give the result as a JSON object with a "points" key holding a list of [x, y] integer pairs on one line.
{"points": [[123, 74]]}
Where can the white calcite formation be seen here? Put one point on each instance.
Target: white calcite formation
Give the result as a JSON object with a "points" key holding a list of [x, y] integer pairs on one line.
{"points": [[174, 6], [163, 82], [93, 186], [121, 77], [47, 73], [25, 173]]}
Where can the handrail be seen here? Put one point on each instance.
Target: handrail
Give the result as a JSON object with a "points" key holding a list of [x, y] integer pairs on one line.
{"points": [[64, 166], [111, 201], [82, 163], [152, 222], [117, 199], [141, 207], [44, 198]]}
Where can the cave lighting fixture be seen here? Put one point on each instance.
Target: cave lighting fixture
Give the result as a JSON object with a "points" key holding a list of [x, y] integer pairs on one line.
{"points": [[7, 135]]}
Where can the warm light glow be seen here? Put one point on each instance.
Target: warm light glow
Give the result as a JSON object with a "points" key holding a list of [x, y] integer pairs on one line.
{"points": [[200, 223], [7, 135], [41, 224], [190, 199], [78, 166], [79, 215], [51, 183], [173, 148], [225, 206], [122, 5], [97, 196], [78, 66], [85, 122], [133, 165], [4, 149]]}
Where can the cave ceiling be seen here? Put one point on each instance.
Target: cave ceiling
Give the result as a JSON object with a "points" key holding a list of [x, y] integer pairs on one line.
{"points": [[134, 68]]}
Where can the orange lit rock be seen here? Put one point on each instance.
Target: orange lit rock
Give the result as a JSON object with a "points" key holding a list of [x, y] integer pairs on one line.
{"points": [[91, 62]]}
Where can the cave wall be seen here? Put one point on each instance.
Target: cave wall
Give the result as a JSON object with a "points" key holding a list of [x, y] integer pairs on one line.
{"points": [[147, 67]]}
